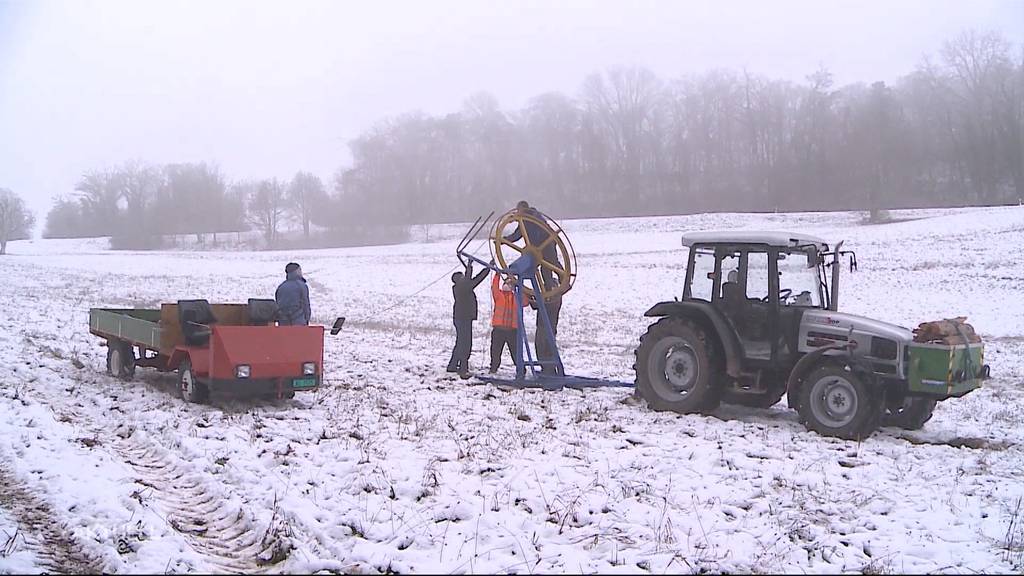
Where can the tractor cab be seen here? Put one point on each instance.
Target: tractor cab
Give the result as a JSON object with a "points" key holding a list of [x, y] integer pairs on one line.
{"points": [[760, 284]]}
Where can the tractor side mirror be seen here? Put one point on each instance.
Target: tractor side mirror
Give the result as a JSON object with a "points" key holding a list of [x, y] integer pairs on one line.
{"points": [[337, 325]]}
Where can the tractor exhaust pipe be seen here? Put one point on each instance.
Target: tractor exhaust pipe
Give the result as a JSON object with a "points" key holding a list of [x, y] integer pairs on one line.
{"points": [[834, 301]]}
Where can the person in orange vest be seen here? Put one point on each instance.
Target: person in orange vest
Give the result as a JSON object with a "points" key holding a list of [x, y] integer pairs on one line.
{"points": [[504, 321]]}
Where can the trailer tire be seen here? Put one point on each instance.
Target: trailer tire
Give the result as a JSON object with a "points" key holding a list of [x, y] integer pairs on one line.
{"points": [[120, 359], [192, 390]]}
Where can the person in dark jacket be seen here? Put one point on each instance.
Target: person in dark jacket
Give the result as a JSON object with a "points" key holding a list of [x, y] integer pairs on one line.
{"points": [[545, 349], [464, 313], [537, 235], [293, 298]]}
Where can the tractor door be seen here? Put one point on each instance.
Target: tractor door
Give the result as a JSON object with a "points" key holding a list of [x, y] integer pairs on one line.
{"points": [[747, 296], [762, 309]]}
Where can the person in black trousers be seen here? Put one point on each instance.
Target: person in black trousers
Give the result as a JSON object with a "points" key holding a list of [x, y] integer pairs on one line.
{"points": [[463, 314], [545, 349]]}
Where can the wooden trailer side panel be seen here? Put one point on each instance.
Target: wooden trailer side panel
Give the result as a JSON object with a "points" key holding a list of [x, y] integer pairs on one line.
{"points": [[171, 336]]}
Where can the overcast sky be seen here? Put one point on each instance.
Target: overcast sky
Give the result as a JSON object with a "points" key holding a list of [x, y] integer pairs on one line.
{"points": [[265, 89]]}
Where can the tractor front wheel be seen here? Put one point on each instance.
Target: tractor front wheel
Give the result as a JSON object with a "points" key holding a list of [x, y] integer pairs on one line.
{"points": [[674, 368], [192, 390], [120, 359], [837, 402]]}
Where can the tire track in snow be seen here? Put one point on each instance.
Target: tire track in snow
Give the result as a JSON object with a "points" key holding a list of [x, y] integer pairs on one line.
{"points": [[214, 524], [54, 545]]}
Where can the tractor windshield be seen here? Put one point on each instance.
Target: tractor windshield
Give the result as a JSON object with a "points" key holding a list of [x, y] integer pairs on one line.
{"points": [[799, 284]]}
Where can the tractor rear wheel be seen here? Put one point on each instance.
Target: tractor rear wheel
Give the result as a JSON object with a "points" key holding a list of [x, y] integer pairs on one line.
{"points": [[911, 414], [192, 390], [837, 402], [120, 359], [675, 370]]}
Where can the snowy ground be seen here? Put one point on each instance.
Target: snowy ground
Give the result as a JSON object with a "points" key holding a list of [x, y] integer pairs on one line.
{"points": [[393, 466]]}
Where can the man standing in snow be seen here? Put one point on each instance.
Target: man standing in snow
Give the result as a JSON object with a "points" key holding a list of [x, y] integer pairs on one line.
{"points": [[293, 298], [504, 321], [545, 349], [463, 315], [538, 231]]}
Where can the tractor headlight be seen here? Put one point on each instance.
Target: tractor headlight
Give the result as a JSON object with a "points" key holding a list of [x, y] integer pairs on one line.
{"points": [[308, 368], [242, 371]]}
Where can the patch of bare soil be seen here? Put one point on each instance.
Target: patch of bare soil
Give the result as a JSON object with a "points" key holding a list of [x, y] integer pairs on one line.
{"points": [[51, 541]]}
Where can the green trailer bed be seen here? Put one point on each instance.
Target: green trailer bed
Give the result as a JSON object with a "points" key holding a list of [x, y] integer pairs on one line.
{"points": [[137, 326], [945, 370]]}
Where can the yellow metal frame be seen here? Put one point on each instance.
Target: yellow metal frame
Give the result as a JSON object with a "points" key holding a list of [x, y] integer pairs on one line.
{"points": [[564, 270]]}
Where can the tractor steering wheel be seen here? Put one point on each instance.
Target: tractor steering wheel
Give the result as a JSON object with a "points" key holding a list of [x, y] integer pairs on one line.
{"points": [[783, 294]]}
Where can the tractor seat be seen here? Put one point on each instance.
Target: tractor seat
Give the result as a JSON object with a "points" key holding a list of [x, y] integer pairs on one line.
{"points": [[733, 299], [261, 311], [195, 317]]}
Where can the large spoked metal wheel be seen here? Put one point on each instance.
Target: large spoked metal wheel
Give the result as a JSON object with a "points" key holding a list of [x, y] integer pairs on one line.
{"points": [[553, 253], [192, 390], [674, 369], [120, 359], [837, 402], [910, 414]]}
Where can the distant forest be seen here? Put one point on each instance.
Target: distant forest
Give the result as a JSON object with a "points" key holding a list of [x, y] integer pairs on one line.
{"points": [[629, 143]]}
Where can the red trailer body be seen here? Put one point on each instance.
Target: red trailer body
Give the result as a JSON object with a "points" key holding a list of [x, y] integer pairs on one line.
{"points": [[232, 348], [277, 359]]}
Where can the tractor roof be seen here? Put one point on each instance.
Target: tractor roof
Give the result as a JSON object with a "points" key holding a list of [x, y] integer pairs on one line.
{"points": [[778, 239]]}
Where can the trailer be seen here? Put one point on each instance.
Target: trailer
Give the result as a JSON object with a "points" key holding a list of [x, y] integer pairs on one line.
{"points": [[234, 349]]}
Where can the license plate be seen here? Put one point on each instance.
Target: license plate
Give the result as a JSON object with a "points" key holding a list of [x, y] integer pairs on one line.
{"points": [[304, 383]]}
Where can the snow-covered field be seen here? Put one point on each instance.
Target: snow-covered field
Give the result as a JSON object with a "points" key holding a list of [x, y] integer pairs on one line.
{"points": [[394, 466]]}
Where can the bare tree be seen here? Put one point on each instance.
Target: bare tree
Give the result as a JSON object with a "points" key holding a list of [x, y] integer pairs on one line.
{"points": [[306, 196], [16, 220], [266, 207]]}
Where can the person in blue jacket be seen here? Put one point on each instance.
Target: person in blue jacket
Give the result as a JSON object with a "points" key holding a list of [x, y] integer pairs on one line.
{"points": [[293, 298]]}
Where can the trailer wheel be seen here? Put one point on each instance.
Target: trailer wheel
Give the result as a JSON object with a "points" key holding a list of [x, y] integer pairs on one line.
{"points": [[192, 390], [911, 414], [120, 359], [837, 402]]}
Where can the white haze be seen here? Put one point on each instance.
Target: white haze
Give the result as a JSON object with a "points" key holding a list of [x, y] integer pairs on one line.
{"points": [[266, 89]]}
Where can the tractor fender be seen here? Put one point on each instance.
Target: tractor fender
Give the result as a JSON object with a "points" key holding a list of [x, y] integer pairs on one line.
{"points": [[713, 323], [176, 359], [813, 359]]}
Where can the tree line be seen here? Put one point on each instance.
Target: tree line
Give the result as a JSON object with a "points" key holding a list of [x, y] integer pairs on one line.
{"points": [[949, 133], [138, 205], [629, 143]]}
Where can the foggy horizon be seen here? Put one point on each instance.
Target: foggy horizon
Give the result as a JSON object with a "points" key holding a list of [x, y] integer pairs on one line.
{"points": [[267, 90]]}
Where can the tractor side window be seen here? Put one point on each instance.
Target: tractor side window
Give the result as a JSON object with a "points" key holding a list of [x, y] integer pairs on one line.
{"points": [[730, 273], [757, 276], [798, 280], [703, 275]]}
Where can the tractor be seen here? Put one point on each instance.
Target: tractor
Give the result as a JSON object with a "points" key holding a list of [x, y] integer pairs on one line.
{"points": [[759, 320]]}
